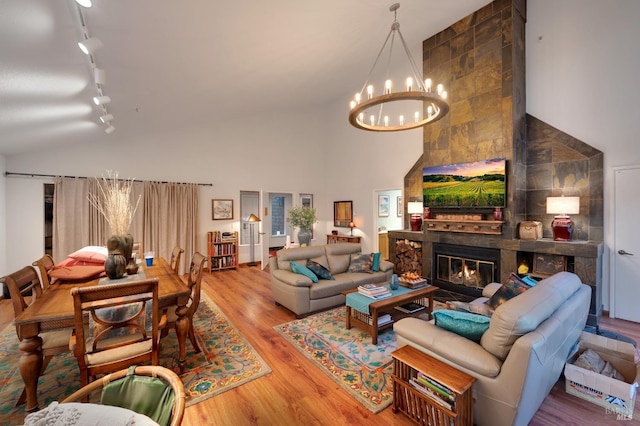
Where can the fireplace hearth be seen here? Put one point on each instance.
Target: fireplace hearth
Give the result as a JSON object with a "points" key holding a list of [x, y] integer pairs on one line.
{"points": [[464, 269]]}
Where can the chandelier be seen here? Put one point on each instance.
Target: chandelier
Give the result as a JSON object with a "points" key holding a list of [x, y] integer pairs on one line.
{"points": [[410, 106]]}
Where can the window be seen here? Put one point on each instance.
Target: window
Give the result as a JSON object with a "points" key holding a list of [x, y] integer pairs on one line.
{"points": [[249, 203], [277, 216]]}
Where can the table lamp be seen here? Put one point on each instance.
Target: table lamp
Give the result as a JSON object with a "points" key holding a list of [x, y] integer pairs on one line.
{"points": [[562, 224], [352, 225], [414, 208], [252, 219]]}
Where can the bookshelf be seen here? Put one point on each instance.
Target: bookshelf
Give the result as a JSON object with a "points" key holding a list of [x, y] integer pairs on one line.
{"points": [[222, 250], [453, 403]]}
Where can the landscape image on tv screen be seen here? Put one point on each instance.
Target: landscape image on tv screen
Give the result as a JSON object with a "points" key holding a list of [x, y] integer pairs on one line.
{"points": [[474, 184]]}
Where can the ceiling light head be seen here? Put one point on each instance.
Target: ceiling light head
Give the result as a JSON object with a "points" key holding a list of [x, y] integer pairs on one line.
{"points": [[101, 100], [106, 118], [109, 130], [100, 76], [84, 3], [407, 105], [90, 46]]}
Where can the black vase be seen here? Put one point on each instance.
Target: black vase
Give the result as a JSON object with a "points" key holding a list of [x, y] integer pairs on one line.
{"points": [[120, 248]]}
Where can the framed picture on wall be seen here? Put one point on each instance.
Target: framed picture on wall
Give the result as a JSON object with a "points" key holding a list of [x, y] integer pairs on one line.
{"points": [[383, 205], [399, 207], [222, 209], [306, 200]]}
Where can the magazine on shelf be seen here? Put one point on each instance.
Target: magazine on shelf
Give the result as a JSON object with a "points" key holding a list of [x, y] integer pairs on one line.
{"points": [[436, 386], [382, 320], [430, 393], [410, 308]]}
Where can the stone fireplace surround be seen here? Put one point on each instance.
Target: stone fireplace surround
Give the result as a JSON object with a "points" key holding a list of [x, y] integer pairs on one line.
{"points": [[481, 60]]}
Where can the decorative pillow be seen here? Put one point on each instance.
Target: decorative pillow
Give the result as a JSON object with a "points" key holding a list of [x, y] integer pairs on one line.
{"points": [[93, 254], [75, 273], [375, 261], [509, 290], [474, 308], [360, 263], [465, 324], [319, 270], [303, 270]]}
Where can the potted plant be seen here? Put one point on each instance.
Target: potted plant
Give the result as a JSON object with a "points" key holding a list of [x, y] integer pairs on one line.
{"points": [[303, 218]]}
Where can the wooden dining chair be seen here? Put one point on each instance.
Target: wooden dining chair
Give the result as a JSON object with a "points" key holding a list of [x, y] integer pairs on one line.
{"points": [[123, 328], [176, 256], [45, 264], [194, 278], [25, 288], [173, 406]]}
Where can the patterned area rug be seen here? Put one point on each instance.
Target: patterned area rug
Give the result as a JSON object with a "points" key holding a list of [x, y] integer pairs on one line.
{"points": [[347, 356], [227, 361]]}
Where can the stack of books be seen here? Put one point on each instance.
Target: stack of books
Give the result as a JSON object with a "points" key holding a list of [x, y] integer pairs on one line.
{"points": [[374, 291], [434, 390], [383, 319]]}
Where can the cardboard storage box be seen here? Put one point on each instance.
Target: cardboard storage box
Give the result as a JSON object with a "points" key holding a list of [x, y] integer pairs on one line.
{"points": [[615, 396]]}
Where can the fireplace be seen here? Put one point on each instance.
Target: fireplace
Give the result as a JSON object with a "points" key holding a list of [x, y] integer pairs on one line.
{"points": [[464, 269]]}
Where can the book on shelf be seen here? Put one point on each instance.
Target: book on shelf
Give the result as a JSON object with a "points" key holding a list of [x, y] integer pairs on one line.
{"points": [[383, 319], [430, 394], [436, 386], [410, 308]]}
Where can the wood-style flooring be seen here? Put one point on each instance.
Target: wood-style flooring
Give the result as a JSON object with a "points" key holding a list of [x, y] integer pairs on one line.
{"points": [[297, 393]]}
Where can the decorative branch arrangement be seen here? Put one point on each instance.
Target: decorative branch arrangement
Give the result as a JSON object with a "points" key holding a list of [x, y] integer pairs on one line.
{"points": [[114, 202]]}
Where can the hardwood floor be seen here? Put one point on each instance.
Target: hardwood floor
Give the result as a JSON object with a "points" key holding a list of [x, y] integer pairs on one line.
{"points": [[297, 393]]}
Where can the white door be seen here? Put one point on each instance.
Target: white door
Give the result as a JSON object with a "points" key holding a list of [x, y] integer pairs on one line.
{"points": [[625, 253]]}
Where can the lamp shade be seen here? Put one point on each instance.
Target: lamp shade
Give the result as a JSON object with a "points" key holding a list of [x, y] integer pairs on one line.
{"points": [[251, 218], [563, 205], [414, 207]]}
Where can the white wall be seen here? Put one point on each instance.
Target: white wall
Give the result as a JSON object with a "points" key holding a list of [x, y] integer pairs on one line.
{"points": [[583, 58], [579, 79]]}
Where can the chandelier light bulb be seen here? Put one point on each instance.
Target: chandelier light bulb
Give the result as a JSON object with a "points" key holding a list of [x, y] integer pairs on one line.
{"points": [[440, 88], [387, 87], [386, 121], [401, 120], [409, 84], [427, 85], [353, 104], [372, 119], [370, 91], [443, 95], [361, 117]]}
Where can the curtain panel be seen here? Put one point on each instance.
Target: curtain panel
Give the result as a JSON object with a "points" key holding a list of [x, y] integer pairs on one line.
{"points": [[166, 216]]}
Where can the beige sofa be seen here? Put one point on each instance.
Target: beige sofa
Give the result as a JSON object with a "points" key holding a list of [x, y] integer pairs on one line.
{"points": [[301, 295], [522, 354]]}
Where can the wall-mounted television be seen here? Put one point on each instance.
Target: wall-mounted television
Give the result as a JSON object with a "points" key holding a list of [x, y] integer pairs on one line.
{"points": [[474, 184]]}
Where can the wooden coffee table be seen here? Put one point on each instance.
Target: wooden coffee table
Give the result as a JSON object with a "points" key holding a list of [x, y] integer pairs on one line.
{"points": [[369, 321]]}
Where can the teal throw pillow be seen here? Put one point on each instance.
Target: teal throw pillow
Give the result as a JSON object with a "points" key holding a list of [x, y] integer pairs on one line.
{"points": [[513, 287], [360, 263], [465, 324], [375, 262], [303, 270], [319, 270]]}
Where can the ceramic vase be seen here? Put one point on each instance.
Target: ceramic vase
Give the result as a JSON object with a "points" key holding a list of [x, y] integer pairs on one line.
{"points": [[120, 248], [304, 237]]}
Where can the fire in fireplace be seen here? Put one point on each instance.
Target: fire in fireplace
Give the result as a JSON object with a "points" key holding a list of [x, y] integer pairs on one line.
{"points": [[464, 269]]}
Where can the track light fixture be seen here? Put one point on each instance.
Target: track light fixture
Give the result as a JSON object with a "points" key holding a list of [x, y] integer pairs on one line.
{"points": [[100, 76], [84, 3], [101, 100], [109, 130], [106, 118], [90, 46]]}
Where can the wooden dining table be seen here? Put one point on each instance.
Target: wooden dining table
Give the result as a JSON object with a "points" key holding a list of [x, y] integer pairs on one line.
{"points": [[54, 310]]}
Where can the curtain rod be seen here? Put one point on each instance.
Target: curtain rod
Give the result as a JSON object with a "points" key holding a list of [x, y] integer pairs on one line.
{"points": [[85, 177]]}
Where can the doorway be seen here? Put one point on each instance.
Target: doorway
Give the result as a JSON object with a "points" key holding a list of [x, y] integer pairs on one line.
{"points": [[625, 249], [388, 211]]}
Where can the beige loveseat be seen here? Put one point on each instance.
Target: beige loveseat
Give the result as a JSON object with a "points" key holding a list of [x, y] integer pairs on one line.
{"points": [[301, 295], [522, 354]]}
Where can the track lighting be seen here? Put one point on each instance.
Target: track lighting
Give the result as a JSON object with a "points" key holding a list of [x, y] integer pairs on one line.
{"points": [[90, 45], [109, 130], [100, 76], [106, 118], [84, 3], [101, 100]]}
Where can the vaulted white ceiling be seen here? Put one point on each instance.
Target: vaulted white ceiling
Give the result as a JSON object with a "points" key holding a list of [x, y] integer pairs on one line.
{"points": [[172, 63]]}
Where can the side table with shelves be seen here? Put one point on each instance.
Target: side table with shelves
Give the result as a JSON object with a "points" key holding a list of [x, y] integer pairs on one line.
{"points": [[333, 239], [222, 250], [408, 362]]}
